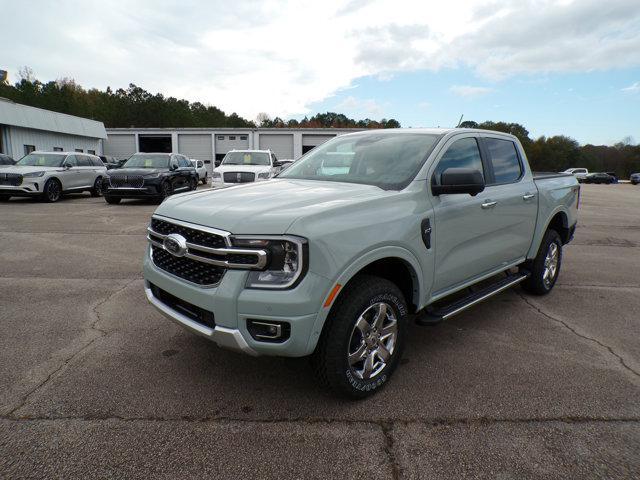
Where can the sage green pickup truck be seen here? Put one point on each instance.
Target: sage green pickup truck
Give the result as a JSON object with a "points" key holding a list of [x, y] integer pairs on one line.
{"points": [[334, 256]]}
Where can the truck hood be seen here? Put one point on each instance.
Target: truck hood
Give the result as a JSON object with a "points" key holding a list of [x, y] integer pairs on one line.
{"points": [[264, 207], [242, 168]]}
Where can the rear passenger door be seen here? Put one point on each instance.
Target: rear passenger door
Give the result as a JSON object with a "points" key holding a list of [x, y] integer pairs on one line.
{"points": [[87, 171], [511, 187]]}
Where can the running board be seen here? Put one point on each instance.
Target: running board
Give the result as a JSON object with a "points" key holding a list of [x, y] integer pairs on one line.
{"points": [[433, 317]]}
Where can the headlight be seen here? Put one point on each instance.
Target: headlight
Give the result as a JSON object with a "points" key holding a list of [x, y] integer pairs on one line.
{"points": [[33, 174], [215, 175], [287, 264], [264, 175]]}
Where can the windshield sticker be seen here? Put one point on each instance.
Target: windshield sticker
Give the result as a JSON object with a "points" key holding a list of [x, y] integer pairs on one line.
{"points": [[247, 158], [148, 162]]}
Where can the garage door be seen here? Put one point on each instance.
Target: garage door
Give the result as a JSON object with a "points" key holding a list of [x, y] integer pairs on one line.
{"points": [[315, 140], [120, 146], [196, 146], [281, 145], [227, 142]]}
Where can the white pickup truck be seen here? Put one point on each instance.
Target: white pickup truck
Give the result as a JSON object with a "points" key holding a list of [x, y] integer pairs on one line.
{"points": [[335, 255]]}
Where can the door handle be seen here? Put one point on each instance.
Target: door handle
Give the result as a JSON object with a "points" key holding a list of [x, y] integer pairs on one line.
{"points": [[486, 205], [528, 196]]}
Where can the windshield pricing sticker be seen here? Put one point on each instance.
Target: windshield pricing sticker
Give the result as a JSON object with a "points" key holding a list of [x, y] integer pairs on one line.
{"points": [[148, 162], [247, 158]]}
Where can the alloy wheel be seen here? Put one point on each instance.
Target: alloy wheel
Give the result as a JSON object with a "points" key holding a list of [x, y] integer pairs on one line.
{"points": [[373, 340], [550, 265]]}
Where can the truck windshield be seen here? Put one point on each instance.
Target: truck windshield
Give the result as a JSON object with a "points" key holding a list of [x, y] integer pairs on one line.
{"points": [[42, 160], [246, 158], [147, 161], [389, 160]]}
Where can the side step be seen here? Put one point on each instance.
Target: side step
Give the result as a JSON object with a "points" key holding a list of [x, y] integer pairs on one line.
{"points": [[433, 317]]}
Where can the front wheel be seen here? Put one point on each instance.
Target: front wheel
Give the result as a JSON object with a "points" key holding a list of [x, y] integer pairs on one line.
{"points": [[363, 338], [52, 191], [4, 198], [546, 266], [205, 179], [165, 190], [112, 200], [193, 184]]}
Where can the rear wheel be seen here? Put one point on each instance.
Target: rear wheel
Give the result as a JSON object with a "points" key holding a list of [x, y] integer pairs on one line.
{"points": [[52, 191], [165, 190], [546, 266], [362, 341], [112, 200], [96, 191]]}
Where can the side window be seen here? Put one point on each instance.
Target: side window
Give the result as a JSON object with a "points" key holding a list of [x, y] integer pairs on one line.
{"points": [[71, 161], [463, 153], [504, 159], [97, 162], [83, 161], [184, 162], [200, 164], [174, 162]]}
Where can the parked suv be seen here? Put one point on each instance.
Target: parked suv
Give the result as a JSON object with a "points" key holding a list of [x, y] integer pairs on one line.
{"points": [[331, 257], [48, 175], [245, 166], [150, 175], [635, 178], [201, 169]]}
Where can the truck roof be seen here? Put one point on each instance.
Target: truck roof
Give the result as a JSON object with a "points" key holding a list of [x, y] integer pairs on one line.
{"points": [[431, 131]]}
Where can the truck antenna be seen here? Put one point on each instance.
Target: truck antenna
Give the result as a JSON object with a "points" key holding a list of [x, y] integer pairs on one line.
{"points": [[460, 121]]}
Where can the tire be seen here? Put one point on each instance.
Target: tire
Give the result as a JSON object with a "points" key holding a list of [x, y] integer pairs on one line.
{"points": [[52, 191], [193, 184], [165, 190], [4, 198], [96, 191], [347, 331], [205, 179], [112, 200], [544, 270]]}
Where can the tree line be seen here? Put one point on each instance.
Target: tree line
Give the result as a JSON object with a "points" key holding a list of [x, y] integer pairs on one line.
{"points": [[559, 152], [135, 107]]}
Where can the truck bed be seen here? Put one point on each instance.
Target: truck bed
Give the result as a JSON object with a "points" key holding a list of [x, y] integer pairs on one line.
{"points": [[544, 175]]}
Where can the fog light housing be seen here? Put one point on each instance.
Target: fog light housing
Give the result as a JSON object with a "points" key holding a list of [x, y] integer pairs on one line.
{"points": [[270, 331]]}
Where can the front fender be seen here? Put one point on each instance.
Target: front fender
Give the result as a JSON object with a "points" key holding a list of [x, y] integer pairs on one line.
{"points": [[353, 269]]}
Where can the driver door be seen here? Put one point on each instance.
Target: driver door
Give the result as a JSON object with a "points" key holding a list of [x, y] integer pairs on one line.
{"points": [[463, 227], [70, 177]]}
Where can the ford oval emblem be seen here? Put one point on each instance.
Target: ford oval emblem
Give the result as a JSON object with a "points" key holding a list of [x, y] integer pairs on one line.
{"points": [[175, 244]]}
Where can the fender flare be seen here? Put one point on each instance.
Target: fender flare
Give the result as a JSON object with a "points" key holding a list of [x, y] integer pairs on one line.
{"points": [[537, 238], [352, 270]]}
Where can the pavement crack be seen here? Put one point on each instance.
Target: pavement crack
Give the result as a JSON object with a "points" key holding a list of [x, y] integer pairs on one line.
{"points": [[389, 449], [93, 326], [561, 322]]}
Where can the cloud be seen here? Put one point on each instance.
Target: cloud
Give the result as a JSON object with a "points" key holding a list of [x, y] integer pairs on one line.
{"points": [[469, 91], [633, 88], [280, 56], [368, 107]]}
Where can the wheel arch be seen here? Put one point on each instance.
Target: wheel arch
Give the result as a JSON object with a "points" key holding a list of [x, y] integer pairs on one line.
{"points": [[395, 264], [559, 221]]}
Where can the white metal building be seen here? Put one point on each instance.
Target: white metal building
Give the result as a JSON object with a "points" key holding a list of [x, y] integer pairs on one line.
{"points": [[210, 144], [24, 129]]}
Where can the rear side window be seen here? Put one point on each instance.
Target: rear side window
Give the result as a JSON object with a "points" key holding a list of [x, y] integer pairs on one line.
{"points": [[504, 159], [83, 161], [463, 153]]}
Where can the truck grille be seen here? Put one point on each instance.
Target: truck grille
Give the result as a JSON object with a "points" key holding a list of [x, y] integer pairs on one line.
{"points": [[126, 181], [13, 179], [192, 235], [239, 177], [190, 270]]}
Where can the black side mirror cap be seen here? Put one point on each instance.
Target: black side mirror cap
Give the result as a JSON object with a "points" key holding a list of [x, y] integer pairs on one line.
{"points": [[459, 180]]}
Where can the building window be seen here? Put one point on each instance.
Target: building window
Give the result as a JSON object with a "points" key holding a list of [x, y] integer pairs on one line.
{"points": [[243, 137], [232, 137], [79, 150], [57, 149], [92, 152], [220, 137], [28, 149]]}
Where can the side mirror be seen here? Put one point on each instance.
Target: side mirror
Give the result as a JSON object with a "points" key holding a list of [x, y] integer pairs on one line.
{"points": [[277, 163], [173, 166], [66, 166], [459, 180]]}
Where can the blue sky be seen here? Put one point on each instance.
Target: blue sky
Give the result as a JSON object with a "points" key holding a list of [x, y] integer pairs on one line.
{"points": [[555, 66], [591, 107]]}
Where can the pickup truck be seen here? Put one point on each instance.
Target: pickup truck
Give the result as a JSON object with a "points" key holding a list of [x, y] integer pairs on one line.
{"points": [[333, 261]]}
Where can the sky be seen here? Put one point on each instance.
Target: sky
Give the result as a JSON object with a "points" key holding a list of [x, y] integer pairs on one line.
{"points": [[555, 66]]}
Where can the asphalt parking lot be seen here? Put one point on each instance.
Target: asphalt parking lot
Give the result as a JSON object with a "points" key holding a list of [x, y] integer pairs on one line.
{"points": [[97, 384]]}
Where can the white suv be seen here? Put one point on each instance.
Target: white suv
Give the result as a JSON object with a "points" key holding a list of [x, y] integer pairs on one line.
{"points": [[245, 166], [50, 174], [201, 169]]}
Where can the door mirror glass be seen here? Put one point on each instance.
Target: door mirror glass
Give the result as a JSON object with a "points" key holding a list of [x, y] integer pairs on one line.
{"points": [[459, 180]]}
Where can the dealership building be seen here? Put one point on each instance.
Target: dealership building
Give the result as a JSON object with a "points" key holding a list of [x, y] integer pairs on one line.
{"points": [[24, 129], [213, 143]]}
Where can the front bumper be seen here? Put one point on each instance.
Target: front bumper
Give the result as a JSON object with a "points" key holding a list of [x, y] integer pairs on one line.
{"points": [[27, 188], [148, 191], [218, 182], [233, 305]]}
